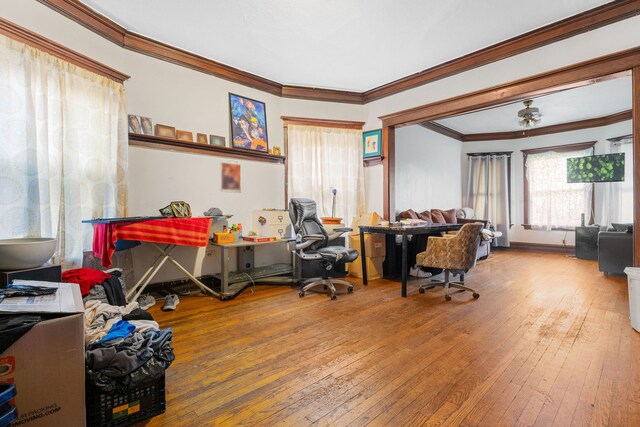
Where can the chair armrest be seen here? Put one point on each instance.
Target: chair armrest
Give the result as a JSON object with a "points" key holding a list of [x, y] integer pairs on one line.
{"points": [[307, 240], [337, 232]]}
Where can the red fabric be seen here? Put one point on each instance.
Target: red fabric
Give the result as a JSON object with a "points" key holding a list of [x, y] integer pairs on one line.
{"points": [[85, 277], [175, 231]]}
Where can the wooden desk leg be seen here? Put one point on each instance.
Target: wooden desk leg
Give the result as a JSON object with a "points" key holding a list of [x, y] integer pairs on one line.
{"points": [[404, 265], [363, 259], [224, 271]]}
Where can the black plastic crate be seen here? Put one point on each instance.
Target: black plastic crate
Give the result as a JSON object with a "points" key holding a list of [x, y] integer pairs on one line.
{"points": [[123, 409]]}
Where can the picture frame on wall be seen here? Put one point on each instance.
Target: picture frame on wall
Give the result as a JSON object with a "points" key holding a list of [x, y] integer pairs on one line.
{"points": [[165, 131], [248, 123], [184, 135], [231, 177], [134, 124], [147, 125], [372, 143], [202, 138], [217, 140]]}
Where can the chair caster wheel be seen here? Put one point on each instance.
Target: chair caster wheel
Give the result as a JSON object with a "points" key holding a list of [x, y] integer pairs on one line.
{"points": [[333, 297], [447, 297], [476, 295], [301, 294], [349, 290], [421, 290]]}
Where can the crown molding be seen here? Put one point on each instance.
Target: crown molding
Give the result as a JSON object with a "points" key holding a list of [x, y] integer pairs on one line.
{"points": [[586, 21], [559, 30], [538, 131], [37, 41]]}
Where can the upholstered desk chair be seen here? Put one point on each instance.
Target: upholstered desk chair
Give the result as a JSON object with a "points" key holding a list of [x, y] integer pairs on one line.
{"points": [[312, 244], [456, 254]]}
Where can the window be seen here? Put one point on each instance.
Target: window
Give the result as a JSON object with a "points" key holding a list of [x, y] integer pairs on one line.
{"points": [[549, 201]]}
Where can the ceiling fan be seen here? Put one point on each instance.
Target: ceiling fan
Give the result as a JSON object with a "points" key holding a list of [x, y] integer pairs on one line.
{"points": [[529, 116]]}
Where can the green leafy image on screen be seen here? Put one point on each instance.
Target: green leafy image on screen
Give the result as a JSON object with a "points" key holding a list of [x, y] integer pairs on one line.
{"points": [[600, 168]]}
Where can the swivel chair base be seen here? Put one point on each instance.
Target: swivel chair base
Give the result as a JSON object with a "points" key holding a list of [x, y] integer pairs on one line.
{"points": [[447, 284], [327, 283]]}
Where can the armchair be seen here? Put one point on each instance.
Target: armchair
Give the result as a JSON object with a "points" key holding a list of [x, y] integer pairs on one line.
{"points": [[456, 254], [311, 244]]}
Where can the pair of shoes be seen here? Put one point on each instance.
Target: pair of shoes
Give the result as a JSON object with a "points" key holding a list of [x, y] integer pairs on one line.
{"points": [[418, 272], [146, 301], [170, 302]]}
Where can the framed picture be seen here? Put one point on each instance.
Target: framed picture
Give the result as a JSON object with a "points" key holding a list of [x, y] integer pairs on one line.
{"points": [[147, 125], [248, 123], [230, 177], [217, 140], [134, 124], [372, 143], [183, 135], [165, 131], [202, 138]]}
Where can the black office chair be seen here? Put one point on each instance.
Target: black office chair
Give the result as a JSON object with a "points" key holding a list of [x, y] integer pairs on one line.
{"points": [[311, 244]]}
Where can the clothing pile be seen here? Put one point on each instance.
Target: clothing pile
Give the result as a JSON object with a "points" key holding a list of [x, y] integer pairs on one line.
{"points": [[124, 347]]}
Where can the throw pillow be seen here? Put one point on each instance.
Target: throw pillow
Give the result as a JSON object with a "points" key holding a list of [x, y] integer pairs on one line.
{"points": [[408, 214], [448, 215], [425, 216], [436, 217]]}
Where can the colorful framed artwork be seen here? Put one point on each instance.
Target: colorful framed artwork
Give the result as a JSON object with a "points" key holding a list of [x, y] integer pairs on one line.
{"points": [[230, 177], [372, 143], [248, 123], [202, 138]]}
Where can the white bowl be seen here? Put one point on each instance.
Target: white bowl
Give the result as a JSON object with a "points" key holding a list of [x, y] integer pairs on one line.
{"points": [[20, 254]]}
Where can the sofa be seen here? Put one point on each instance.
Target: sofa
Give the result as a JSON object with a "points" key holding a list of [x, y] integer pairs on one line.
{"points": [[450, 216], [615, 249]]}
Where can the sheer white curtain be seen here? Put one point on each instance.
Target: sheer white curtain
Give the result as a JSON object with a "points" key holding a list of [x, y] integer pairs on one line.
{"points": [[616, 203], [321, 159], [63, 145], [488, 192], [554, 203]]}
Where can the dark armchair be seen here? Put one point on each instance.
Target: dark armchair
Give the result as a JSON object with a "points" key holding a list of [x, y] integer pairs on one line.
{"points": [[615, 251], [312, 244]]}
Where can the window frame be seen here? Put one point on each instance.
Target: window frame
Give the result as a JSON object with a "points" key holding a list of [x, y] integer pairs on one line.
{"points": [[558, 149]]}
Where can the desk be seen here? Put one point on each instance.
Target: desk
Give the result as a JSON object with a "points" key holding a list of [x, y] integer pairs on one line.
{"points": [[404, 231], [232, 283]]}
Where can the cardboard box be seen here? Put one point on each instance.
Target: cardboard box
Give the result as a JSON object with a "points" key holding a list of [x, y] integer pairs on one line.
{"points": [[374, 244], [366, 219], [223, 237], [374, 267], [47, 363], [272, 223]]}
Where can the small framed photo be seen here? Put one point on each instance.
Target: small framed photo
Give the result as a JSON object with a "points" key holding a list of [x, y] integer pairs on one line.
{"points": [[372, 143], [183, 135], [165, 131], [147, 125], [202, 138], [217, 140], [135, 126], [230, 177], [248, 123]]}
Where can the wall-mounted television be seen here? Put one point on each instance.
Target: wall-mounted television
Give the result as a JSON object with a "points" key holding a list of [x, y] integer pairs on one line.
{"points": [[598, 168]]}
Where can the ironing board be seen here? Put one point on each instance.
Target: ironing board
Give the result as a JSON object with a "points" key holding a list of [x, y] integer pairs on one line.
{"points": [[166, 232]]}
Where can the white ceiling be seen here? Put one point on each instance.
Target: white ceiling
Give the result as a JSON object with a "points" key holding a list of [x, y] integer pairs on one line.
{"points": [[587, 102], [337, 44]]}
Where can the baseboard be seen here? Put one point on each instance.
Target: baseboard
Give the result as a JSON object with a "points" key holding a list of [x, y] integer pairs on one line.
{"points": [[543, 247]]}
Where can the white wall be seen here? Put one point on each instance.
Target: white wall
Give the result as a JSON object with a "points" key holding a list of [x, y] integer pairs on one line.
{"points": [[427, 170], [517, 232]]}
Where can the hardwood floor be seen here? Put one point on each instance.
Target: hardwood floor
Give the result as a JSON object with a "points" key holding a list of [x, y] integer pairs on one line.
{"points": [[547, 344]]}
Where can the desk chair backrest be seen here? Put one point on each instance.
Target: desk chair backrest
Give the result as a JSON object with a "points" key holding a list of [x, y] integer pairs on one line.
{"points": [[463, 256], [304, 218]]}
